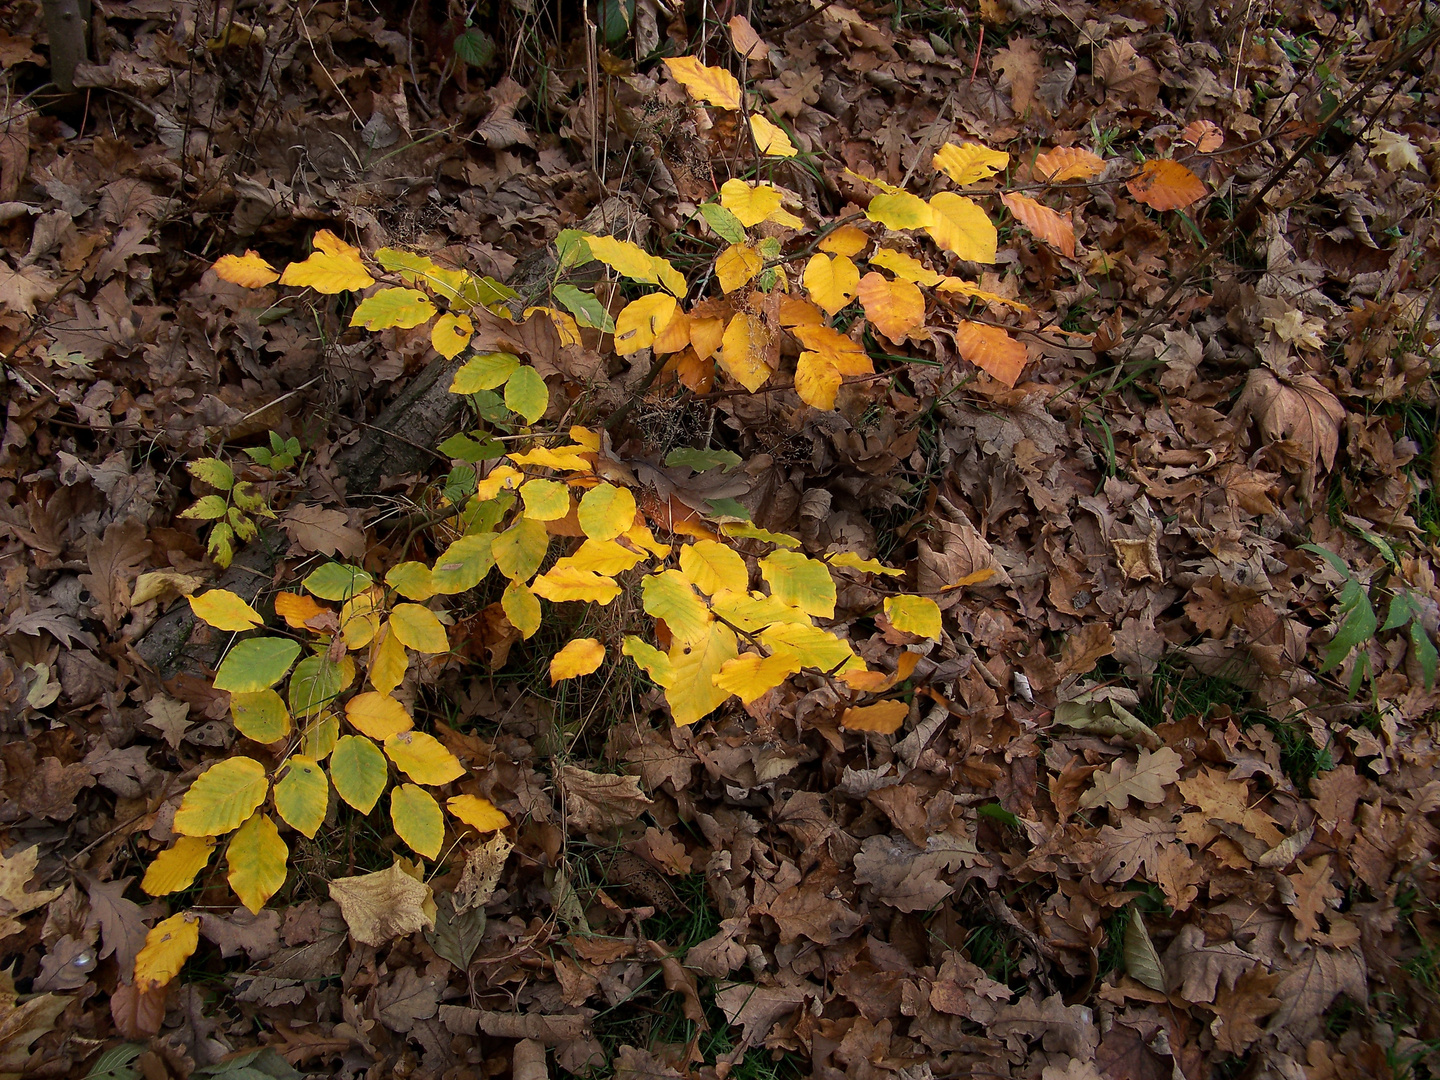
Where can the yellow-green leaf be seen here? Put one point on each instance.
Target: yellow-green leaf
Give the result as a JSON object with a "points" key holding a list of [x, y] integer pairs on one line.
{"points": [[603, 557], [751, 675], [480, 814], [712, 567], [579, 657], [895, 308], [222, 797], [638, 324], [302, 795], [655, 662], [831, 282], [249, 271], [418, 628], [423, 758], [750, 203], [521, 608], [388, 661], [223, 610], [256, 857], [962, 227], [870, 566], [526, 394], [260, 716], [377, 715], [744, 351], [337, 581], [753, 612], [669, 596], [914, 615], [256, 664], [484, 372], [461, 566], [813, 647], [969, 162], [545, 500], [905, 266], [417, 819], [411, 580], [317, 682], [606, 511], [360, 618], [626, 259], [402, 308], [562, 583], [712, 85], [520, 549], [334, 268], [450, 334], [736, 265], [358, 771], [168, 945], [320, 736], [672, 280], [900, 210], [691, 692], [175, 867], [801, 582], [771, 139]]}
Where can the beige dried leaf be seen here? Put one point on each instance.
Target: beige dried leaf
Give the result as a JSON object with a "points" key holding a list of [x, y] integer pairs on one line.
{"points": [[482, 872], [387, 904], [595, 801], [1144, 780]]}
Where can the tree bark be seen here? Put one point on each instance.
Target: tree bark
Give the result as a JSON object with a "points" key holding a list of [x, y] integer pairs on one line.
{"points": [[65, 22]]}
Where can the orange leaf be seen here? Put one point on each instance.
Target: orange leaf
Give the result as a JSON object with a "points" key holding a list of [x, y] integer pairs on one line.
{"points": [[992, 350], [297, 609], [895, 308], [1066, 163], [1053, 228], [1166, 185], [883, 718], [1204, 135]]}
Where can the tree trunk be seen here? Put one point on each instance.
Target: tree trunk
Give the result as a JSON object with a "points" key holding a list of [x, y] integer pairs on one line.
{"points": [[65, 22]]}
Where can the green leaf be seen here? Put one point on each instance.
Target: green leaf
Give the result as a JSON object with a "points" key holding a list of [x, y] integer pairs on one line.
{"points": [[337, 581], [256, 664], [212, 471], [727, 510], [1401, 610], [571, 249], [1424, 652], [302, 795], [526, 394], [316, 683], [484, 372], [465, 448], [588, 311], [461, 566], [359, 772], [260, 716], [207, 508], [460, 484], [475, 47], [490, 407], [726, 225], [222, 797], [520, 549], [417, 819], [220, 546], [688, 457]]}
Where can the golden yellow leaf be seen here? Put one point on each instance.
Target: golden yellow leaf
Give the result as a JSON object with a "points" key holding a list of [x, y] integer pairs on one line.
{"points": [[223, 610], [711, 567], [846, 354], [637, 326], [1067, 163], [736, 265], [831, 281], [248, 270], [905, 266], [914, 615], [706, 336], [672, 280], [962, 227], [297, 609], [992, 350], [743, 351], [418, 628], [388, 661], [817, 381], [377, 715], [969, 162], [895, 308], [606, 511], [690, 690], [480, 814], [222, 797], [521, 608], [335, 268], [754, 203], [712, 85], [673, 336], [770, 139], [602, 557], [175, 867], [900, 210], [360, 617], [562, 583], [423, 758], [451, 333], [883, 718], [1166, 185], [579, 657], [968, 288], [168, 945], [626, 259], [1055, 229], [847, 240], [750, 675], [669, 595], [256, 857], [417, 819]]}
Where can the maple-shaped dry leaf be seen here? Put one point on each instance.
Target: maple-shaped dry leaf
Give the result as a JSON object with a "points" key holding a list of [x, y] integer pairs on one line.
{"points": [[1143, 780], [992, 350], [327, 532], [1068, 163], [1240, 1008], [1298, 409], [596, 801], [1314, 890], [808, 910], [1163, 184], [15, 873], [384, 905], [1055, 229]]}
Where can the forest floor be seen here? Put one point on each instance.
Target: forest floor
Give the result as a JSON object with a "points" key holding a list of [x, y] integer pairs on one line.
{"points": [[1164, 801]]}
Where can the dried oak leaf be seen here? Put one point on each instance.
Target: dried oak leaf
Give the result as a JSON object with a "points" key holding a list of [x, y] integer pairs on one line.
{"points": [[1067, 1029], [809, 910], [1124, 1055], [596, 801], [1240, 1008], [326, 532], [756, 1008], [1300, 410], [1144, 780], [902, 875], [1138, 843], [384, 905], [1198, 969], [1307, 990], [405, 1001]]}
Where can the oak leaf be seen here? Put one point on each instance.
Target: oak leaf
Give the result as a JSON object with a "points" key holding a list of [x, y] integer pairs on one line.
{"points": [[1143, 780], [596, 801]]}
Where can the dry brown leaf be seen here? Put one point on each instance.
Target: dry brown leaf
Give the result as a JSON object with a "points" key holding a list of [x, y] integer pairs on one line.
{"points": [[326, 532], [384, 905], [1299, 410], [595, 801], [1143, 780]]}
